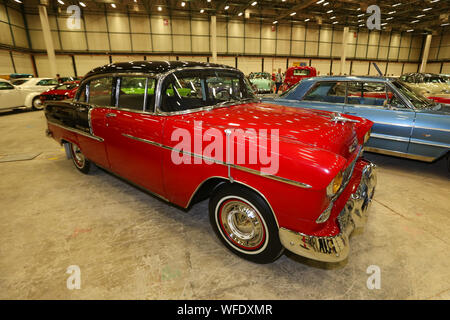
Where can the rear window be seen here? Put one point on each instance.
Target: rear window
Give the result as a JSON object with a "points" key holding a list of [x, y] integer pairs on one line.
{"points": [[301, 72]]}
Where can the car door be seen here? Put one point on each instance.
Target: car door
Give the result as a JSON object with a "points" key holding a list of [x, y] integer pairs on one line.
{"points": [[323, 95], [133, 133], [378, 102], [90, 107], [10, 96]]}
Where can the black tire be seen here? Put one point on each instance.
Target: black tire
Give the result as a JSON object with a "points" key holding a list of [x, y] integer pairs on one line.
{"points": [[78, 159], [36, 104], [265, 245]]}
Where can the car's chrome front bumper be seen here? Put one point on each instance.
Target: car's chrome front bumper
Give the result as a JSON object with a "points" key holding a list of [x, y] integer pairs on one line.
{"points": [[354, 215]]}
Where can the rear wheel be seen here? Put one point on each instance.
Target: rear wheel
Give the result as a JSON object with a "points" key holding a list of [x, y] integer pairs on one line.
{"points": [[79, 160], [37, 103], [244, 222]]}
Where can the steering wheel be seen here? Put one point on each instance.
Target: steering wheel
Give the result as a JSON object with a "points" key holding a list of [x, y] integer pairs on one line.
{"points": [[223, 94]]}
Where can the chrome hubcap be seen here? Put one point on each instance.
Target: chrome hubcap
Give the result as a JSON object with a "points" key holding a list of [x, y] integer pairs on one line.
{"points": [[78, 156], [242, 224], [37, 103]]}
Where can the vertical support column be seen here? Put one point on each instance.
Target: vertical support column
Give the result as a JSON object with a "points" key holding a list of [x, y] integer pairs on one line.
{"points": [[214, 39], [48, 39], [344, 49], [426, 50]]}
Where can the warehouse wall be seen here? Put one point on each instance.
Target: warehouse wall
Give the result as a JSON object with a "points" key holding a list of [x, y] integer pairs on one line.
{"points": [[257, 46]]}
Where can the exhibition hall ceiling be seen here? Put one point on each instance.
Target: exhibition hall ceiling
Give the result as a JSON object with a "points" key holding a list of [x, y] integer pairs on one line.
{"points": [[396, 15]]}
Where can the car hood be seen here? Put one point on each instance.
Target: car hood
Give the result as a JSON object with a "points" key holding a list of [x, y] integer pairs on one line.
{"points": [[296, 125]]}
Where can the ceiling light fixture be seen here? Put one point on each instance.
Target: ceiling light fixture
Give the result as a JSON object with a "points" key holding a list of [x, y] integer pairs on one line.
{"points": [[390, 18], [415, 21], [293, 14], [360, 15], [410, 30], [183, 3], [240, 14], [18, 1], [275, 22], [433, 1], [361, 25], [397, 4], [113, 5], [335, 22], [61, 2], [329, 11], [159, 8], [383, 24], [82, 4], [333, 17], [254, 3], [320, 1], [445, 24], [307, 19], [227, 7], [420, 16], [202, 10], [325, 4], [392, 12], [427, 9]]}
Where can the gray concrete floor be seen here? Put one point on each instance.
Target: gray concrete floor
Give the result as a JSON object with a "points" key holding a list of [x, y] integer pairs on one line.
{"points": [[131, 245]]}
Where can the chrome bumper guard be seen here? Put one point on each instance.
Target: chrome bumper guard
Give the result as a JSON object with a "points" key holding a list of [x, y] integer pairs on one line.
{"points": [[354, 215]]}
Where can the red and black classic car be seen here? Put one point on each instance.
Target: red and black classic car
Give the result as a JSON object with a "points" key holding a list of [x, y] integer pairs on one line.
{"points": [[276, 177]]}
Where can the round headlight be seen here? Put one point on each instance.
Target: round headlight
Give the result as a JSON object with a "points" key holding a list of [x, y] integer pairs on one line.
{"points": [[335, 184]]}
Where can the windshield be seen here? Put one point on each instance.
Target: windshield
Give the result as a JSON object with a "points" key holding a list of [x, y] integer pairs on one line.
{"points": [[260, 76], [291, 89], [418, 101], [192, 89], [66, 86]]}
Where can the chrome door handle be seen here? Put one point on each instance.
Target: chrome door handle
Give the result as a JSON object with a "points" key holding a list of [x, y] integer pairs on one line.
{"points": [[109, 115]]}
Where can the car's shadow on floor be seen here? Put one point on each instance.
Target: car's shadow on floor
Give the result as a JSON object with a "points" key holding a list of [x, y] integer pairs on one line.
{"points": [[437, 168]]}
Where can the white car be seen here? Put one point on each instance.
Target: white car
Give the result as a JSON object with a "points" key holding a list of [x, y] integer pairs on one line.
{"points": [[10, 96], [31, 89]]}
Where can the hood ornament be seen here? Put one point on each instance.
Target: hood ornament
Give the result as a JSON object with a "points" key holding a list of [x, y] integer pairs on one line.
{"points": [[337, 117]]}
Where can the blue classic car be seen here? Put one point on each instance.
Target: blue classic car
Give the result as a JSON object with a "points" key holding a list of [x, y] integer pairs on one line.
{"points": [[405, 123]]}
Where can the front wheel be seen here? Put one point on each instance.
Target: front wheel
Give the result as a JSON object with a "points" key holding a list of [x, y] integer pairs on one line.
{"points": [[79, 160], [37, 103], [244, 222]]}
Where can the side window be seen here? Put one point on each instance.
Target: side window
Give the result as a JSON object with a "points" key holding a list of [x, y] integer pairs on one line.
{"points": [[327, 91], [394, 101], [132, 93], [183, 92], [6, 86], [301, 72], [100, 91], [366, 93]]}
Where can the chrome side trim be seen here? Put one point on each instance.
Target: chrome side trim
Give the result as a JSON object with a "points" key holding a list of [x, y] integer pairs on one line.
{"points": [[388, 137], [428, 128], [85, 134], [235, 166], [434, 144], [393, 124], [400, 154]]}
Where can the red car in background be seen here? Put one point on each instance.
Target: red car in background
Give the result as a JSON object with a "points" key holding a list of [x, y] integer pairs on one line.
{"points": [[296, 74], [62, 91]]}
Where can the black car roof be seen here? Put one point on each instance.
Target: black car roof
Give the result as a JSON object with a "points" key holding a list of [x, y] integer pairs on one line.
{"points": [[152, 66]]}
